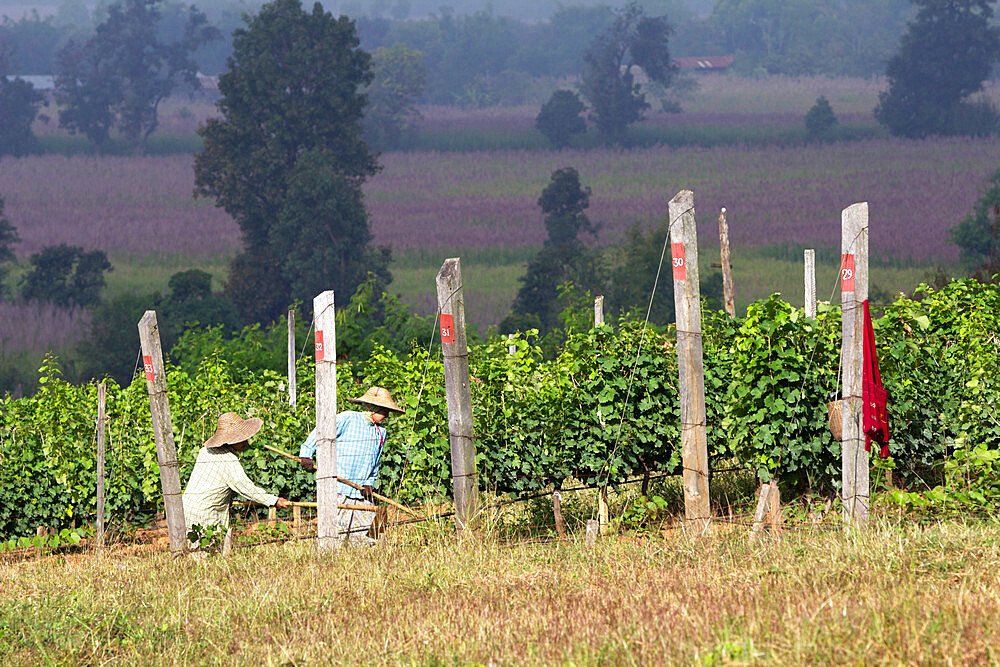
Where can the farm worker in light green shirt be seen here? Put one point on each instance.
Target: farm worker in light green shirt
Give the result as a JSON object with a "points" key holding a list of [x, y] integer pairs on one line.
{"points": [[217, 474]]}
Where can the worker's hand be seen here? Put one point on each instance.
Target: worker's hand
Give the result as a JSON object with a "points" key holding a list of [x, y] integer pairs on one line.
{"points": [[366, 493], [308, 464], [282, 503]]}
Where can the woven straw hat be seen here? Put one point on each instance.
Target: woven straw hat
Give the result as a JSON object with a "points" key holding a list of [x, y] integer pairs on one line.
{"points": [[377, 397], [232, 429]]}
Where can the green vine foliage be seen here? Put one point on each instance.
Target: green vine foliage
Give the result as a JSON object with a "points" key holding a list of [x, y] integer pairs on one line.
{"points": [[783, 365], [602, 408]]}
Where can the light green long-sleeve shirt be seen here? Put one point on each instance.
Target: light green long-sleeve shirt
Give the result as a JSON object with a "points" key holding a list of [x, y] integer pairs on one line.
{"points": [[217, 474]]}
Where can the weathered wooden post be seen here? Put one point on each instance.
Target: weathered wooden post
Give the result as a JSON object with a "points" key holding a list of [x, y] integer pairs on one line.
{"points": [[853, 292], [775, 509], [454, 349], [727, 268], [557, 510], [291, 358], [602, 508], [101, 418], [810, 282], [691, 369], [163, 431], [328, 535], [297, 521], [602, 491]]}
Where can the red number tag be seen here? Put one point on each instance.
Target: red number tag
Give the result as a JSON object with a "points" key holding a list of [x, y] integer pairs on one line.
{"points": [[319, 345], [447, 328], [147, 365], [847, 273], [677, 255]]}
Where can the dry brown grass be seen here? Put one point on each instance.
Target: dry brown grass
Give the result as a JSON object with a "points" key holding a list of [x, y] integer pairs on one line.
{"points": [[892, 595]]}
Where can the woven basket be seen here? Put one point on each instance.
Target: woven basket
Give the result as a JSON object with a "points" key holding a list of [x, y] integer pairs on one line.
{"points": [[834, 419]]}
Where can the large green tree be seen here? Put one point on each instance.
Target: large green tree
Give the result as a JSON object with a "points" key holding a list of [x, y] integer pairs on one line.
{"points": [[19, 105], [398, 81], [562, 259], [122, 73], [559, 119], [947, 53], [978, 235], [87, 90], [608, 82], [287, 150], [66, 276]]}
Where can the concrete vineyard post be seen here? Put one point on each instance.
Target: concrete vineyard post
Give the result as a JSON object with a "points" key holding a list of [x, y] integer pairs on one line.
{"points": [[163, 432], [691, 369], [328, 536], [727, 268], [454, 349], [291, 358], [227, 543], [593, 528], [511, 347], [763, 502], [598, 311], [853, 292], [101, 419], [810, 281]]}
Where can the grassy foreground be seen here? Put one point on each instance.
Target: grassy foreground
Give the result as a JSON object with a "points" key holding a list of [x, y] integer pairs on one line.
{"points": [[891, 595]]}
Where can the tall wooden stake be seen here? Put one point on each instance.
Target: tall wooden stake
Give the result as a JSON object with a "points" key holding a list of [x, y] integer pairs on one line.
{"points": [[328, 536], [163, 431], [727, 269], [291, 358], [687, 305], [454, 349], [598, 311], [557, 510], [602, 509], [854, 290], [101, 418], [810, 281]]}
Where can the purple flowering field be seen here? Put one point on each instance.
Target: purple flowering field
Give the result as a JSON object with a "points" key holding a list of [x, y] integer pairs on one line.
{"points": [[916, 191], [447, 202]]}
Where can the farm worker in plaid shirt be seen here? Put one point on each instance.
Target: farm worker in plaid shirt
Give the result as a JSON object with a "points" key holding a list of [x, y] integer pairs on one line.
{"points": [[360, 438], [217, 474]]}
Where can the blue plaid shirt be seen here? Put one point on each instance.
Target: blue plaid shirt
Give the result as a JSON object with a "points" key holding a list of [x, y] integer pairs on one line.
{"points": [[359, 450]]}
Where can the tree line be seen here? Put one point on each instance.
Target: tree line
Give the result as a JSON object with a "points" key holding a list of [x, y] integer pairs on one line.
{"points": [[289, 152]]}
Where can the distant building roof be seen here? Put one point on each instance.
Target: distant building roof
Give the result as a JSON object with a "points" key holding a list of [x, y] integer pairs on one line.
{"points": [[39, 81], [208, 82], [704, 62]]}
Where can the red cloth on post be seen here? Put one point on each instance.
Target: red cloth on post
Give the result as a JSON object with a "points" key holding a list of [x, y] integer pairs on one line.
{"points": [[873, 395]]}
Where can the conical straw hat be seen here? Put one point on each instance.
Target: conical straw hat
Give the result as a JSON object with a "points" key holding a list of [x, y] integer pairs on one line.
{"points": [[232, 429], [378, 397]]}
